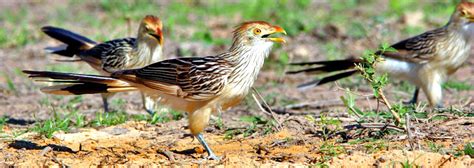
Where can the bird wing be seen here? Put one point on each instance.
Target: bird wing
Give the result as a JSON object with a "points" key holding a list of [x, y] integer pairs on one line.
{"points": [[418, 49], [111, 55], [192, 78]]}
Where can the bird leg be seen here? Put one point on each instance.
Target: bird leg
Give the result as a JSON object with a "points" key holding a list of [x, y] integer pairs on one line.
{"points": [[211, 154], [105, 102], [148, 104], [414, 100]]}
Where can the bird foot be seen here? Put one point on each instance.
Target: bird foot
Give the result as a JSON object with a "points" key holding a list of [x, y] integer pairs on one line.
{"points": [[213, 157], [411, 102], [151, 112], [440, 107]]}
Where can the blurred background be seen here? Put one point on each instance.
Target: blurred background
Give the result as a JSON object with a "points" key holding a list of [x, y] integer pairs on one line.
{"points": [[317, 30]]}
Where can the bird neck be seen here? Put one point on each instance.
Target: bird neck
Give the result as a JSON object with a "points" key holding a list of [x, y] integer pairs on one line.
{"points": [[458, 28], [247, 61], [145, 52]]}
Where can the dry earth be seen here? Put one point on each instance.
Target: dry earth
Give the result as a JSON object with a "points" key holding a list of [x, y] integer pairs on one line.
{"points": [[138, 144]]}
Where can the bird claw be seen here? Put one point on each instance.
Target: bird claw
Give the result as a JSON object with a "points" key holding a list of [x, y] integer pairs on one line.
{"points": [[440, 107], [213, 157], [410, 102], [151, 112]]}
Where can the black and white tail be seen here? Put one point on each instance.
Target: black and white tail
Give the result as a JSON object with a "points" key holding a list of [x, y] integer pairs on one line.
{"points": [[77, 84], [344, 68], [74, 43]]}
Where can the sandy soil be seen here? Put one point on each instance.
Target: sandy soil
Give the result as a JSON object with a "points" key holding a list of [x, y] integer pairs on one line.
{"points": [[140, 144]]}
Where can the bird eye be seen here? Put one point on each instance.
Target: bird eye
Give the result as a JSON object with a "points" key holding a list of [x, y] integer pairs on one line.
{"points": [[257, 31], [464, 12]]}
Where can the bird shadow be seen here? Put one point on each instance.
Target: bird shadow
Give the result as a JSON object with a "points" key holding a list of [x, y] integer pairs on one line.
{"points": [[22, 144], [185, 152], [15, 121]]}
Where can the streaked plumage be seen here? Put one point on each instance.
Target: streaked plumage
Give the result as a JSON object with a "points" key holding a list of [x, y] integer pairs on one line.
{"points": [[425, 60], [114, 55], [197, 85]]}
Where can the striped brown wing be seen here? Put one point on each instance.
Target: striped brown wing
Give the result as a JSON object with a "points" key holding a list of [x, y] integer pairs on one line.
{"points": [[419, 48], [195, 79], [111, 55]]}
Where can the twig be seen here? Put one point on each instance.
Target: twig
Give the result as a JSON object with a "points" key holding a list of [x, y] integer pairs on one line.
{"points": [[445, 161], [464, 120], [375, 125], [282, 111], [409, 134], [166, 153], [266, 108], [385, 101], [318, 104], [45, 150]]}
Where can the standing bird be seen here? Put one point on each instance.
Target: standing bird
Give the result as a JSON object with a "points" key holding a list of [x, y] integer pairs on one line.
{"points": [[114, 55], [425, 60], [197, 85]]}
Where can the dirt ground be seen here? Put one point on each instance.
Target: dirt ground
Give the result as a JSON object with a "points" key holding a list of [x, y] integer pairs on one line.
{"points": [[139, 144], [299, 142]]}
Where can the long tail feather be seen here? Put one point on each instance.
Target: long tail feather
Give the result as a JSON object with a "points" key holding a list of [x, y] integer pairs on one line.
{"points": [[325, 66], [325, 80], [74, 42], [79, 83]]}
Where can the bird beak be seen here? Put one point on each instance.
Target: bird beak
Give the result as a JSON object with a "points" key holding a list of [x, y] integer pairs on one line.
{"points": [[471, 19], [158, 35], [278, 29]]}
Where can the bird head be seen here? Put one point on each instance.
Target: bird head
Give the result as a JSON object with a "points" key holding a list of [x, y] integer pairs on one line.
{"points": [[257, 34], [151, 28], [464, 12]]}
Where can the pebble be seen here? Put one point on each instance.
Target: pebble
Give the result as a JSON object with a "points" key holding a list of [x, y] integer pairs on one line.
{"points": [[382, 159]]}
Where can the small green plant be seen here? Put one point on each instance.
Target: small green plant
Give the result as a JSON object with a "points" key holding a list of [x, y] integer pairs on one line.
{"points": [[329, 126], [3, 121], [10, 84], [257, 125], [159, 117], [230, 134], [109, 119], [219, 123], [377, 82], [79, 120], [328, 151], [459, 86], [467, 150], [255, 121], [435, 147], [321, 165], [50, 126], [349, 102], [375, 146], [407, 163]]}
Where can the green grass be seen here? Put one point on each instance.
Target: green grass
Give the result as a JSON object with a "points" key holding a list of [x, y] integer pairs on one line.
{"points": [[57, 123], [435, 147], [467, 150], [296, 17], [256, 125], [109, 119], [459, 86], [3, 121], [329, 126], [407, 163], [9, 82], [328, 151]]}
